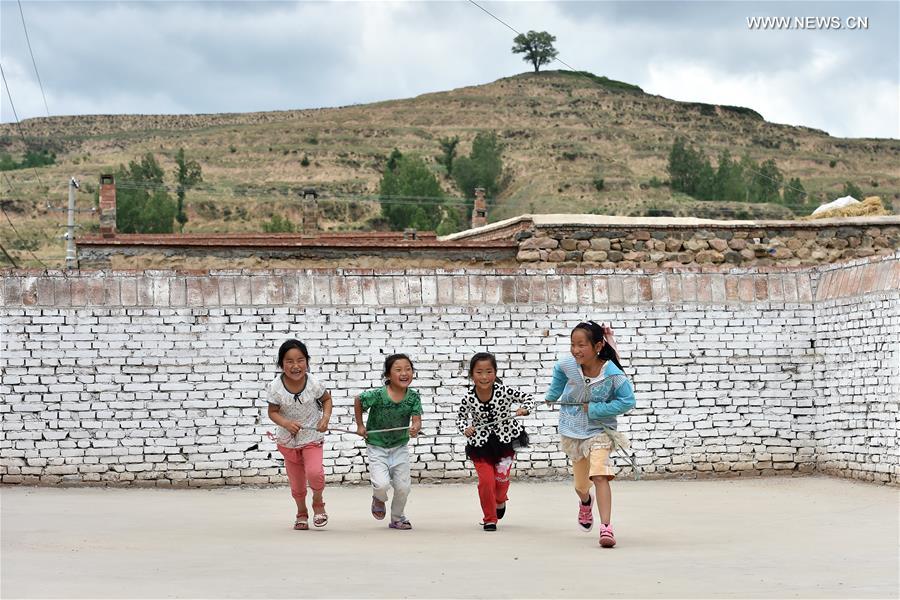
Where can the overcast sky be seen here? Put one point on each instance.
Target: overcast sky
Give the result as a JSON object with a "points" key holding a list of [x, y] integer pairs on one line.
{"points": [[204, 57]]}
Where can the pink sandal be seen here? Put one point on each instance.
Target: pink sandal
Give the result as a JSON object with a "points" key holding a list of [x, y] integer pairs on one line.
{"points": [[607, 539]]}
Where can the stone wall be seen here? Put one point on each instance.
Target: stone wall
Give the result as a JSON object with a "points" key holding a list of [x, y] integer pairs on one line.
{"points": [[156, 378], [649, 246]]}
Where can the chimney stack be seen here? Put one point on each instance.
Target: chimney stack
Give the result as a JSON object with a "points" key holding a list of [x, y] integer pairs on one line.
{"points": [[479, 210], [107, 206], [310, 213]]}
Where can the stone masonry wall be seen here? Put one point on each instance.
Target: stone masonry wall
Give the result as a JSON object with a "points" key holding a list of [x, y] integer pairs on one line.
{"points": [[156, 378], [678, 246]]}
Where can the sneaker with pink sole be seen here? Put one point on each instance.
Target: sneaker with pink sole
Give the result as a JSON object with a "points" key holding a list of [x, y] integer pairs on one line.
{"points": [[585, 516], [607, 539]]}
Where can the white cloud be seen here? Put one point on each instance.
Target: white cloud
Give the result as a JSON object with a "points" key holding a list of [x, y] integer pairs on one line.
{"points": [[230, 57]]}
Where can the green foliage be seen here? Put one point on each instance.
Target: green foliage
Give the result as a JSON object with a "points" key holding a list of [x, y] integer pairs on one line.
{"points": [[410, 194], [794, 193], [537, 48], [691, 172], [31, 158], [304, 162], [142, 203], [278, 224], [448, 153], [599, 183], [187, 174], [482, 168], [851, 189], [765, 182]]}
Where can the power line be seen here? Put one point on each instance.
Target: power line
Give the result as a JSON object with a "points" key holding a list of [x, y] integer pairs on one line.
{"points": [[11, 260], [18, 123], [18, 235], [33, 62], [581, 74]]}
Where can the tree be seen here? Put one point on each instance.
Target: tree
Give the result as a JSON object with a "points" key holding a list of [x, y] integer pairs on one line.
{"points": [[765, 182], [794, 193], [410, 194], [142, 203], [187, 175], [482, 168], [537, 47], [448, 153], [851, 189], [730, 185], [689, 169]]}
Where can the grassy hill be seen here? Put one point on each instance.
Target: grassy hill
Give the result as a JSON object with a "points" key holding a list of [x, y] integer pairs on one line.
{"points": [[560, 132]]}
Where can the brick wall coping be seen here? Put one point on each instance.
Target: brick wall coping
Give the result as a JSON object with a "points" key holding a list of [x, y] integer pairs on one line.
{"points": [[430, 287], [427, 241], [556, 221]]}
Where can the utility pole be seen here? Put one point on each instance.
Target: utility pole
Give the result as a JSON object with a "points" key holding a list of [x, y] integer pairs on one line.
{"points": [[71, 258]]}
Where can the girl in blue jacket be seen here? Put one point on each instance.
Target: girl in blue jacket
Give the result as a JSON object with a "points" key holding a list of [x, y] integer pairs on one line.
{"points": [[592, 390]]}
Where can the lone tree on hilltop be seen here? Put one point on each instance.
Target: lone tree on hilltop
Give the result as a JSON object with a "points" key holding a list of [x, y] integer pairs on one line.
{"points": [[537, 46]]}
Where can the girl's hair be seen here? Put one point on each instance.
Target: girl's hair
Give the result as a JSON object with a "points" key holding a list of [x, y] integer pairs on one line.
{"points": [[289, 345], [480, 356], [595, 335], [389, 362]]}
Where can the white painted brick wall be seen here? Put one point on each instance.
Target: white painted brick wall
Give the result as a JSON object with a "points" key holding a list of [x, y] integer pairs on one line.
{"points": [[730, 380]]}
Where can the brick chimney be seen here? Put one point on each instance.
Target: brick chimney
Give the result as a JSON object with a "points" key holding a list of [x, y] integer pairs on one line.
{"points": [[309, 211], [107, 206], [479, 210]]}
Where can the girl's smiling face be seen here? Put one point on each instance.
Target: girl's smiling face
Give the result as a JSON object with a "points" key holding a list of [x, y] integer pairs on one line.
{"points": [[294, 364], [584, 351], [401, 374], [484, 375]]}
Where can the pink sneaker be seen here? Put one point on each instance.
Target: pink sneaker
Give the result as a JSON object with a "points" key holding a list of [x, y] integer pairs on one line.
{"points": [[607, 539], [585, 516]]}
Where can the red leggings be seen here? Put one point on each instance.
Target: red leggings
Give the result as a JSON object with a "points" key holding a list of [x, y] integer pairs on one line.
{"points": [[493, 485]]}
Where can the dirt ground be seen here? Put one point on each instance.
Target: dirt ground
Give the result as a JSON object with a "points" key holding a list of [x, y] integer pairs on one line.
{"points": [[810, 537]]}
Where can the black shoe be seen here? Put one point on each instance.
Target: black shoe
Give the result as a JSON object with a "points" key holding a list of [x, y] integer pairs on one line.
{"points": [[501, 512], [490, 527]]}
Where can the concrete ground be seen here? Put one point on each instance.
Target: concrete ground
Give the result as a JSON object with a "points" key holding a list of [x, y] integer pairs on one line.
{"points": [[761, 538]]}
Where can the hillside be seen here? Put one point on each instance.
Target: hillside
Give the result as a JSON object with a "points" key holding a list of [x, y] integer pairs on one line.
{"points": [[560, 132]]}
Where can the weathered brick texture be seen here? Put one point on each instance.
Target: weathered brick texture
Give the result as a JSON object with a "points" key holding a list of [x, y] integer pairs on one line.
{"points": [[156, 377]]}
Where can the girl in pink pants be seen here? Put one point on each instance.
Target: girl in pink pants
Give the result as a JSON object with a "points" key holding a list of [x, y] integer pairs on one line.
{"points": [[301, 407]]}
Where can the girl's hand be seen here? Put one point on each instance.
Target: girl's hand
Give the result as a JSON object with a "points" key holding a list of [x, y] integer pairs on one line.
{"points": [[293, 426], [522, 412], [414, 430], [584, 407], [322, 426], [469, 431], [361, 430]]}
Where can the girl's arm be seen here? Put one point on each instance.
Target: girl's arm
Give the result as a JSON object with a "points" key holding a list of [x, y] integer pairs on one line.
{"points": [[525, 401], [277, 418], [326, 412], [622, 401], [464, 420], [557, 385], [358, 413], [415, 426]]}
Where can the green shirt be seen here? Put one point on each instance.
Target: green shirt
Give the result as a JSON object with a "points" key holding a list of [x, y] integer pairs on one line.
{"points": [[384, 413]]}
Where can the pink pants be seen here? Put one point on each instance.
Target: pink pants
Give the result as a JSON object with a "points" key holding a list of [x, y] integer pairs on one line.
{"points": [[304, 464]]}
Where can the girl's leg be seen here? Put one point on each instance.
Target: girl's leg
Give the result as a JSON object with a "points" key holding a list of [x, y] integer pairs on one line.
{"points": [[401, 480], [293, 464], [487, 489], [581, 469], [501, 480], [379, 474], [604, 498], [315, 475]]}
